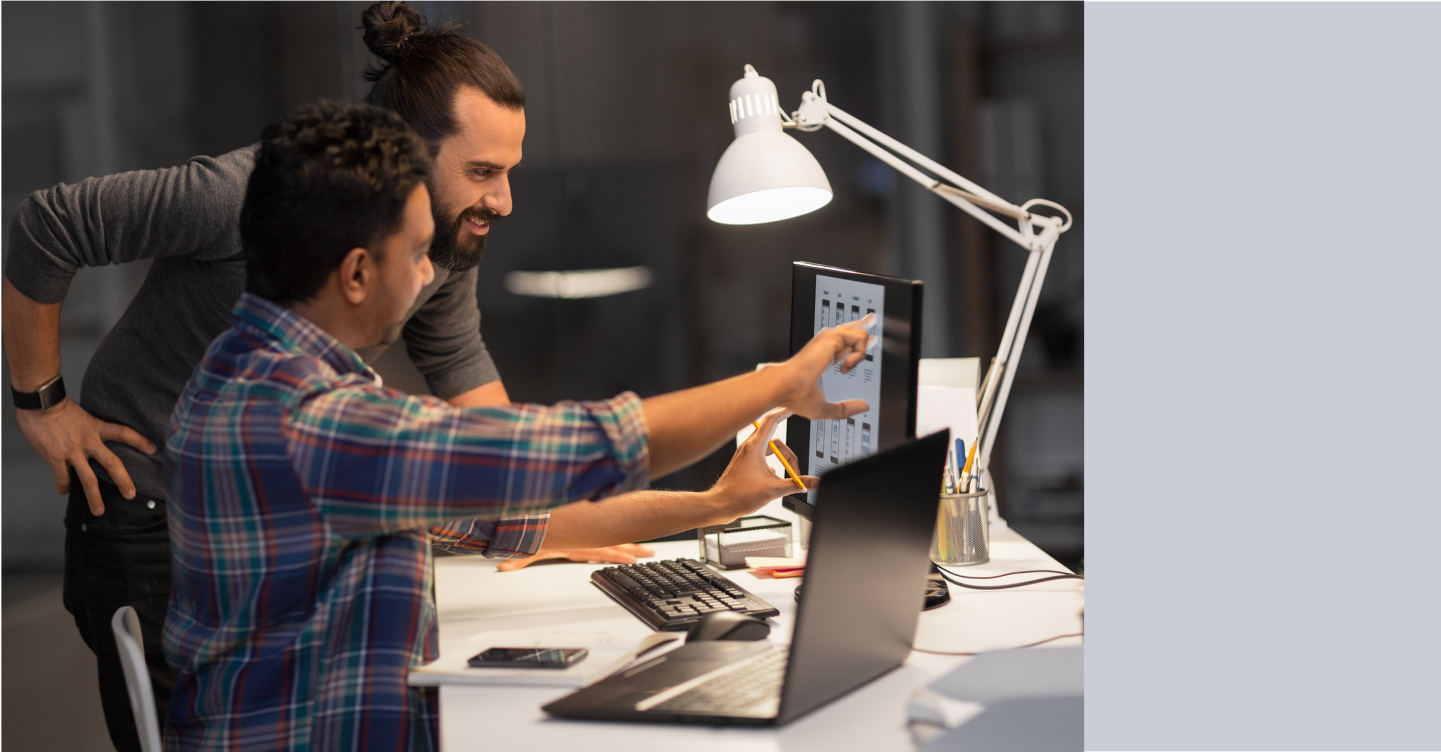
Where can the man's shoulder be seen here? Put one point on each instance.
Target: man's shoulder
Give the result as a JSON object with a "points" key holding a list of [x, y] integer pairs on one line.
{"points": [[242, 159], [224, 176]]}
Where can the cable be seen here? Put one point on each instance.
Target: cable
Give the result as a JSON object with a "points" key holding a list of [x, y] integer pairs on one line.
{"points": [[1018, 647], [1008, 574], [1015, 585], [1059, 576]]}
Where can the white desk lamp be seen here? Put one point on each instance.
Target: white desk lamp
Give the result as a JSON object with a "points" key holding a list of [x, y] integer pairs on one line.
{"points": [[766, 175]]}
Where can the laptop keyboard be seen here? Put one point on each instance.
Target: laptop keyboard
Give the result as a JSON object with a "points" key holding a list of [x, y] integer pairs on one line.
{"points": [[672, 595], [751, 686]]}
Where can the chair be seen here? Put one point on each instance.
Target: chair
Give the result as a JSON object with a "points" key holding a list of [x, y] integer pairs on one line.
{"points": [[126, 626]]}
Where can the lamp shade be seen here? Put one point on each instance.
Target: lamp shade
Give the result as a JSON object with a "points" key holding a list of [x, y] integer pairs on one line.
{"points": [[764, 175]]}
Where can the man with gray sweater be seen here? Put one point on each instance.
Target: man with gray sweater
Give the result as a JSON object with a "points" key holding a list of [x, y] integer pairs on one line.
{"points": [[467, 105]]}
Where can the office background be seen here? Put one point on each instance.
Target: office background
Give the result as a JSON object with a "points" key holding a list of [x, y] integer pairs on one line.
{"points": [[626, 118]]}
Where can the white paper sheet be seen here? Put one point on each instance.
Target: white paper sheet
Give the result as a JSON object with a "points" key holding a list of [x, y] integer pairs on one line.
{"points": [[950, 407]]}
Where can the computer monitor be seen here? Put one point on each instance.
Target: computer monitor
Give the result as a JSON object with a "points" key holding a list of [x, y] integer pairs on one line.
{"points": [[821, 297]]}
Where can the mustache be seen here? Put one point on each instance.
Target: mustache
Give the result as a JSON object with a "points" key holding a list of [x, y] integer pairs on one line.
{"points": [[481, 215]]}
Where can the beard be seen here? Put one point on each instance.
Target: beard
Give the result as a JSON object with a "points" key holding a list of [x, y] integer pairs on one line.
{"points": [[449, 251]]}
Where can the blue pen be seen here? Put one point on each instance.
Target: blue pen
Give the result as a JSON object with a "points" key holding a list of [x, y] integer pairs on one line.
{"points": [[956, 459]]}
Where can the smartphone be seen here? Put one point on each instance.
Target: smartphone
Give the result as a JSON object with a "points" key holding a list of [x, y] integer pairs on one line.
{"points": [[528, 657]]}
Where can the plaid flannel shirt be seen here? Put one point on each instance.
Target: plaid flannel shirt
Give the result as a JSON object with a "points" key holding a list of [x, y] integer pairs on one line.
{"points": [[303, 499]]}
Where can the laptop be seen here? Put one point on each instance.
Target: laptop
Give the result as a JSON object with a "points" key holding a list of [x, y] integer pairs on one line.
{"points": [[862, 595]]}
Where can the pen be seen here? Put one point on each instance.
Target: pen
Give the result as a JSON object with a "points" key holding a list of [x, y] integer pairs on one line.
{"points": [[966, 471], [954, 461], [970, 457], [776, 450]]}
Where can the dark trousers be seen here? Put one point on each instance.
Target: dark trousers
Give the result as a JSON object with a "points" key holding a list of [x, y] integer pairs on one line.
{"points": [[121, 558]]}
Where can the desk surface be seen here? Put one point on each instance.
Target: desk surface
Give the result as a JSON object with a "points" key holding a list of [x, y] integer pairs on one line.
{"points": [[473, 597]]}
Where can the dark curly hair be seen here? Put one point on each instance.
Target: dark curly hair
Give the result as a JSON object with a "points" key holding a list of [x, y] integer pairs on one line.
{"points": [[422, 68], [328, 178]]}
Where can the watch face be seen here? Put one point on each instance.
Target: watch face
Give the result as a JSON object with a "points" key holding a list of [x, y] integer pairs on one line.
{"points": [[52, 393]]}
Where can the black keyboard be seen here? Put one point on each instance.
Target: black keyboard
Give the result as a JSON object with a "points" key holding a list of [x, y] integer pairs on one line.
{"points": [[672, 595]]}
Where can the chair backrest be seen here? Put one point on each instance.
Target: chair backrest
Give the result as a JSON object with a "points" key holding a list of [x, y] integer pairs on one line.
{"points": [[126, 626]]}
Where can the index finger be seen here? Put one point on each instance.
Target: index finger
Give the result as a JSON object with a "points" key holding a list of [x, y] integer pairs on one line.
{"points": [[772, 420], [863, 322], [126, 435], [765, 426]]}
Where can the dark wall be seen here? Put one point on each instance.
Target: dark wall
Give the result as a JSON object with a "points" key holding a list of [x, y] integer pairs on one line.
{"points": [[626, 118]]}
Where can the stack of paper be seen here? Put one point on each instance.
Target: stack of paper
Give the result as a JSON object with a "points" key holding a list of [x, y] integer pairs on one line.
{"points": [[778, 566]]}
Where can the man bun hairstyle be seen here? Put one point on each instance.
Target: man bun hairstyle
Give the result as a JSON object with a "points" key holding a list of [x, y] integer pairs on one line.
{"points": [[329, 178], [423, 68]]}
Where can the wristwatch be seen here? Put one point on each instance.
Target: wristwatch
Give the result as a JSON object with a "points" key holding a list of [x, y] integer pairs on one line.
{"points": [[50, 394]]}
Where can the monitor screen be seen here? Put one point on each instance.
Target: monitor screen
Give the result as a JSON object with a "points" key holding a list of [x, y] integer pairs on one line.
{"points": [[822, 297]]}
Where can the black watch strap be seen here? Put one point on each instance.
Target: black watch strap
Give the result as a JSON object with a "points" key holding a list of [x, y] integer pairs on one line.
{"points": [[50, 394]]}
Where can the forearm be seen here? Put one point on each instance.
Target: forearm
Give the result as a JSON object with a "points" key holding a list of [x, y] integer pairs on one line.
{"points": [[688, 425], [636, 516], [32, 339]]}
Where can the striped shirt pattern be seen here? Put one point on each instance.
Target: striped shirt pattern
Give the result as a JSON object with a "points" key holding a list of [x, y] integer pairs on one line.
{"points": [[304, 498]]}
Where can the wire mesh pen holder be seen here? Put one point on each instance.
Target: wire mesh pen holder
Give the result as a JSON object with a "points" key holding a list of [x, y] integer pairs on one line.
{"points": [[727, 546], [963, 530]]}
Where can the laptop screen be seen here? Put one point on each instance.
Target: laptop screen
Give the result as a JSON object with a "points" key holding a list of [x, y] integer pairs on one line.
{"points": [[865, 573]]}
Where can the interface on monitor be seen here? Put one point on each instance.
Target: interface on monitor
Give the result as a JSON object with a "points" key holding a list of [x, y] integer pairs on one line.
{"points": [[836, 442]]}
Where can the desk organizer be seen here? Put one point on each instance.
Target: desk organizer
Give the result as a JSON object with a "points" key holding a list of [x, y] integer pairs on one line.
{"points": [[963, 530], [727, 546]]}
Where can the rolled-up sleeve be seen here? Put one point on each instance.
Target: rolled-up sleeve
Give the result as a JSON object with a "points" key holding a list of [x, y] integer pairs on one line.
{"points": [[496, 539]]}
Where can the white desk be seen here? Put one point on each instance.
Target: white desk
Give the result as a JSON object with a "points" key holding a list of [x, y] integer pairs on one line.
{"points": [[473, 597]]}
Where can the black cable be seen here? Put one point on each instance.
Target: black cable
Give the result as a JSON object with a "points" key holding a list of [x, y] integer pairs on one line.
{"points": [[1008, 574], [1018, 647], [947, 576]]}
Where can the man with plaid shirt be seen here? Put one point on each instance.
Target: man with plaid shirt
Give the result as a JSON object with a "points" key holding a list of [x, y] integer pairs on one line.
{"points": [[303, 489]]}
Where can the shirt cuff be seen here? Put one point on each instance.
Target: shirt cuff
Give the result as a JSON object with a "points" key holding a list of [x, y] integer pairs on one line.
{"points": [[515, 537], [38, 275]]}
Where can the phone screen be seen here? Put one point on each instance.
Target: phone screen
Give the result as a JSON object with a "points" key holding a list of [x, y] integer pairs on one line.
{"points": [[528, 657]]}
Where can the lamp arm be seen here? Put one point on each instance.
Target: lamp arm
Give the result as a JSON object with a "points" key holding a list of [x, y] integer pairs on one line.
{"points": [[915, 156], [1006, 358], [993, 383], [930, 183], [945, 192], [966, 200]]}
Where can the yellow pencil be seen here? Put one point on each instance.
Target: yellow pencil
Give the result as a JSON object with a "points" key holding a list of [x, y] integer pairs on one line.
{"points": [[782, 458], [966, 471]]}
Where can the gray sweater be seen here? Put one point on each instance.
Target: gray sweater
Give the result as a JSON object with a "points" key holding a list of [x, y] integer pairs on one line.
{"points": [[186, 219]]}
